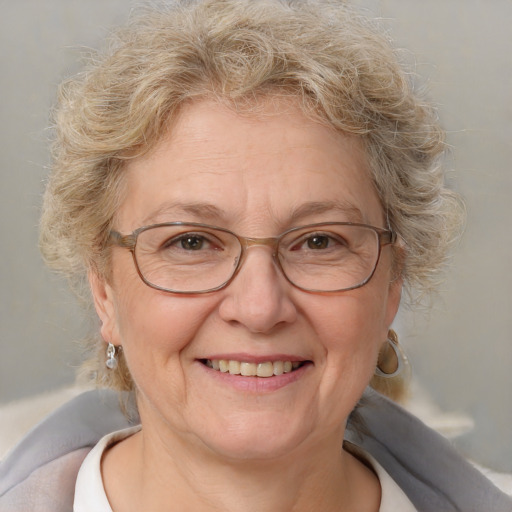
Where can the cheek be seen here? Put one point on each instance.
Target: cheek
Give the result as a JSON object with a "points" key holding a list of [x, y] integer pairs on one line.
{"points": [[351, 329], [156, 331], [159, 323], [348, 330], [154, 327], [351, 321]]}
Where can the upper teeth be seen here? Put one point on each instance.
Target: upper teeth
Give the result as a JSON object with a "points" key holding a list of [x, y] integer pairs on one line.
{"points": [[266, 369]]}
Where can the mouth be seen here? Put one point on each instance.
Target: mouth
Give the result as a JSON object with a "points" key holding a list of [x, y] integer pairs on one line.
{"points": [[264, 369]]}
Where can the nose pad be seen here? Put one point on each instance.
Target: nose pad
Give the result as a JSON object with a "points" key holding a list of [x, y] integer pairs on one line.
{"points": [[258, 296]]}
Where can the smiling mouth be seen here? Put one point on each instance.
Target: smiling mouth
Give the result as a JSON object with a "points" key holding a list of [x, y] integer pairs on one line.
{"points": [[245, 369]]}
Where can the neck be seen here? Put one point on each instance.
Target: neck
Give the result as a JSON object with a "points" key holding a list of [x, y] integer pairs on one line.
{"points": [[146, 472]]}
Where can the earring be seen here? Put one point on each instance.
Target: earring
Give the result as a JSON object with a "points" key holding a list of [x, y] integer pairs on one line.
{"points": [[386, 367], [111, 362]]}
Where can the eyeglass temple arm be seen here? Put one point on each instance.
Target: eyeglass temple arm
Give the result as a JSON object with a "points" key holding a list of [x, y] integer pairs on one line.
{"points": [[387, 237], [116, 238]]}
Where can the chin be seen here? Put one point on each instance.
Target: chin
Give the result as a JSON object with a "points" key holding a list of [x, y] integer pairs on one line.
{"points": [[258, 437]]}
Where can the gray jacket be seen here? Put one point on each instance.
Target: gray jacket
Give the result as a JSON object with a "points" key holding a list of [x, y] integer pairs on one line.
{"points": [[40, 473]]}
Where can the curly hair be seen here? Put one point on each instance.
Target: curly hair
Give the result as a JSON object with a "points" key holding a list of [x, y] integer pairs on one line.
{"points": [[337, 64]]}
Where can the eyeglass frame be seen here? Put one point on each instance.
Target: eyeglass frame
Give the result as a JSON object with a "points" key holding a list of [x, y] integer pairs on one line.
{"points": [[385, 237]]}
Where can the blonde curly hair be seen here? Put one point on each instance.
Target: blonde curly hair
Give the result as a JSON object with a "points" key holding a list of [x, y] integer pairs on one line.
{"points": [[336, 63]]}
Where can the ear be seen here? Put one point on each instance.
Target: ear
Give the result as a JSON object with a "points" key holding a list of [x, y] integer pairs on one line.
{"points": [[103, 296], [394, 297], [396, 284]]}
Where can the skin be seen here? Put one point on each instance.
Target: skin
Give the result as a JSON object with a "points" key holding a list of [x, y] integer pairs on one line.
{"points": [[208, 442]]}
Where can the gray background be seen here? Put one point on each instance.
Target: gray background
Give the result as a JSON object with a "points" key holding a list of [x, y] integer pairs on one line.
{"points": [[461, 349]]}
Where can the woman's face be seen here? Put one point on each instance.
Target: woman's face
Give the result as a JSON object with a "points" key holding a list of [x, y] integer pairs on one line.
{"points": [[257, 176]]}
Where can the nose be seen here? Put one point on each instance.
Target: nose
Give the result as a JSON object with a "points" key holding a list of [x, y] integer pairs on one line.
{"points": [[259, 296]]}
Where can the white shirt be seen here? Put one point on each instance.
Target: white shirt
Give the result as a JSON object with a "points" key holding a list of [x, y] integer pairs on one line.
{"points": [[90, 494]]}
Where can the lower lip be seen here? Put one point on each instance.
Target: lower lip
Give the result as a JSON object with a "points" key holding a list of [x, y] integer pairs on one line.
{"points": [[257, 384]]}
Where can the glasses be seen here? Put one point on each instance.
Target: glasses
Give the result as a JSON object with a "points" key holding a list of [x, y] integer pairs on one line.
{"points": [[191, 258]]}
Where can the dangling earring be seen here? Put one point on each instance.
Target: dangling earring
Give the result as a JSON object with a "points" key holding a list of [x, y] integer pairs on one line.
{"points": [[111, 362], [386, 367]]}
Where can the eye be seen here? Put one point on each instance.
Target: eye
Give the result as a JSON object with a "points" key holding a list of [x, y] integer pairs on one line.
{"points": [[191, 242], [318, 242]]}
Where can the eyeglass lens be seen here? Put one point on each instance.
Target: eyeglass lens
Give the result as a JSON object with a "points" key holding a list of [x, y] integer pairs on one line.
{"points": [[185, 258]]}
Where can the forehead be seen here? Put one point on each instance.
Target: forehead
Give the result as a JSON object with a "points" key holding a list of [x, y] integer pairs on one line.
{"points": [[274, 169]]}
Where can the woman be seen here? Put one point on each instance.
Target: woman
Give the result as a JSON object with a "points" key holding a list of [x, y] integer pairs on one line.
{"points": [[246, 187]]}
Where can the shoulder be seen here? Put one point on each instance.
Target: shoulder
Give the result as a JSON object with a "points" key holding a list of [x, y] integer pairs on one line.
{"points": [[423, 463], [48, 488], [40, 472]]}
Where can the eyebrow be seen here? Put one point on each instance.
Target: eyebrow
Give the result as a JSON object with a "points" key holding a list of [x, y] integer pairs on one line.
{"points": [[213, 214], [350, 212], [202, 211]]}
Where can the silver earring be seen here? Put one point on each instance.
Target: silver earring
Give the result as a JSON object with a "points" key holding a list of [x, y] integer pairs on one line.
{"points": [[111, 362], [401, 359]]}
